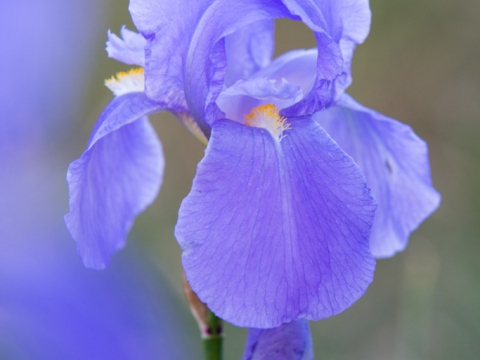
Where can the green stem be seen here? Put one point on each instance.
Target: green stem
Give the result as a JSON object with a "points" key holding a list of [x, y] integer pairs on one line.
{"points": [[213, 341]]}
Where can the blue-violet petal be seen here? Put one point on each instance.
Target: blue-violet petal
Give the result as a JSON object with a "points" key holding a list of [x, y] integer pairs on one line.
{"points": [[273, 231], [115, 179], [395, 163], [129, 50], [291, 341]]}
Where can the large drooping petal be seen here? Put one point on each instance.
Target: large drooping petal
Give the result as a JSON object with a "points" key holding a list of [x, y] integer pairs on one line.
{"points": [[130, 49], [115, 179], [395, 163], [275, 231], [290, 341]]}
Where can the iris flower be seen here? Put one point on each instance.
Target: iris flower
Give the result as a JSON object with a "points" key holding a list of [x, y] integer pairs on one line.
{"points": [[280, 222]]}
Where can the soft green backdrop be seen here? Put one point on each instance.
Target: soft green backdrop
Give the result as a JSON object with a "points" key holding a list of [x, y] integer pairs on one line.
{"points": [[419, 65]]}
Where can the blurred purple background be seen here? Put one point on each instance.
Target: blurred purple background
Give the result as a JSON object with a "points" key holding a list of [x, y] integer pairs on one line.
{"points": [[51, 307]]}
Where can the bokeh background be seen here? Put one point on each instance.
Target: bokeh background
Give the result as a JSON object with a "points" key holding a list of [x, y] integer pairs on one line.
{"points": [[419, 65]]}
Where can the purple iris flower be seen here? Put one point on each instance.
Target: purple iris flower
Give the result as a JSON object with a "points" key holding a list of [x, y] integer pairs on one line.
{"points": [[277, 224]]}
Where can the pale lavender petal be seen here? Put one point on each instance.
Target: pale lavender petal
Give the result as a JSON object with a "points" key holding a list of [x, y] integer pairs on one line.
{"points": [[356, 19], [290, 341], [297, 66], [129, 50], [276, 231], [340, 19], [239, 99], [115, 179], [320, 16], [356, 25], [248, 50], [395, 163], [283, 82], [344, 80]]}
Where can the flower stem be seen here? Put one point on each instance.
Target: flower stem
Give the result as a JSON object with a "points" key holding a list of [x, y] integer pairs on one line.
{"points": [[213, 341], [210, 325]]}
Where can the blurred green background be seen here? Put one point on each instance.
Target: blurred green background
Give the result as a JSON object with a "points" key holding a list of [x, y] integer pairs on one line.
{"points": [[420, 65]]}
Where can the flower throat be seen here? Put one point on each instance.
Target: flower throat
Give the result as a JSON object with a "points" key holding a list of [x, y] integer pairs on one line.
{"points": [[267, 117]]}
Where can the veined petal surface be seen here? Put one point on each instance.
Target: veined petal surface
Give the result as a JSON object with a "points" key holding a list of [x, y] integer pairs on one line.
{"points": [[395, 163], [130, 49], [291, 341], [115, 179], [273, 231]]}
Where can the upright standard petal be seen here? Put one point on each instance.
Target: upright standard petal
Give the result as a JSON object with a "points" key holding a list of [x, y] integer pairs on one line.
{"points": [[356, 25], [395, 163], [202, 91], [338, 26], [206, 53], [290, 341], [285, 81], [129, 50], [248, 50], [247, 94], [115, 179], [189, 45], [168, 26], [273, 231], [348, 19]]}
